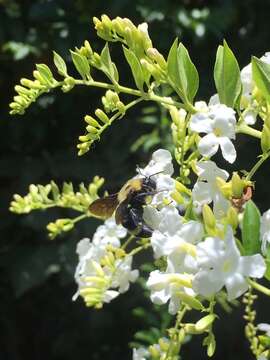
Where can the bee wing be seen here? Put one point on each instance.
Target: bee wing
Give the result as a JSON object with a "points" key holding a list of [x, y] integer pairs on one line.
{"points": [[119, 213], [104, 207]]}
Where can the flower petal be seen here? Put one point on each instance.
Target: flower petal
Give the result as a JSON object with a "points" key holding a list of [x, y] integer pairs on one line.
{"points": [[227, 149], [253, 266], [202, 193], [207, 282], [208, 145], [236, 285], [200, 123]]}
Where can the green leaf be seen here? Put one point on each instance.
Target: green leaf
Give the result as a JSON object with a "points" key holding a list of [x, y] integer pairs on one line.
{"points": [[136, 67], [172, 66], [45, 72], [81, 63], [182, 72], [227, 76], [60, 64], [261, 76], [188, 73], [109, 67], [251, 229]]}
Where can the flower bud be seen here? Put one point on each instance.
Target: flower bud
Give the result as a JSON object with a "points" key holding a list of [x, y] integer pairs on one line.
{"points": [[265, 139], [91, 121], [232, 217], [204, 323], [224, 187], [102, 116], [209, 219]]}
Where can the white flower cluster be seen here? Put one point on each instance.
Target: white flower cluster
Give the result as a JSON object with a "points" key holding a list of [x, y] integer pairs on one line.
{"points": [[104, 271], [196, 262]]}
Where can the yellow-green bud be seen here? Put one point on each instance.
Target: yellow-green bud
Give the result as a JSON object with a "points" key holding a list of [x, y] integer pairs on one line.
{"points": [[232, 217], [224, 187], [91, 121], [265, 139], [191, 329], [189, 300], [238, 185], [209, 218], [102, 116], [204, 323]]}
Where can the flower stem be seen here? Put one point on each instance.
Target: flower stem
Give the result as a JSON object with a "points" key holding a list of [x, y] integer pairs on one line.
{"points": [[148, 96], [259, 287], [245, 129], [252, 172]]}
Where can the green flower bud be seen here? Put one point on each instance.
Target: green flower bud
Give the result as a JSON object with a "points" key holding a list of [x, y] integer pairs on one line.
{"points": [[209, 219], [205, 323], [102, 116], [238, 185], [91, 121], [265, 139]]}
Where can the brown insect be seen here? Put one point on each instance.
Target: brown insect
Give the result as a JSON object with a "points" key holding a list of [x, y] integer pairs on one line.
{"points": [[128, 205]]}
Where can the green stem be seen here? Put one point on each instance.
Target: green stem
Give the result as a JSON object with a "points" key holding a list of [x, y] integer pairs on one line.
{"points": [[79, 218], [180, 315], [139, 249], [145, 95], [128, 242], [263, 158], [245, 129], [259, 287]]}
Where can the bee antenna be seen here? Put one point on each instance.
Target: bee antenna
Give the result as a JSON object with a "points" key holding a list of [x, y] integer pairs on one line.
{"points": [[160, 172]]}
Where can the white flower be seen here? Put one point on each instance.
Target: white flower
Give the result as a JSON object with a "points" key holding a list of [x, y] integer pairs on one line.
{"points": [[265, 230], [264, 327], [262, 357], [246, 76], [161, 162], [206, 190], [109, 233], [249, 115], [160, 168], [221, 265], [140, 354], [166, 286], [123, 274], [170, 233], [100, 274], [218, 122]]}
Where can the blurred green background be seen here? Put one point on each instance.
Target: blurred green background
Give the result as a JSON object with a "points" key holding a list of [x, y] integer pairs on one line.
{"points": [[38, 320]]}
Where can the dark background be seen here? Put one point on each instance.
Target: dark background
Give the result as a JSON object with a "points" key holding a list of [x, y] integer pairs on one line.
{"points": [[38, 320]]}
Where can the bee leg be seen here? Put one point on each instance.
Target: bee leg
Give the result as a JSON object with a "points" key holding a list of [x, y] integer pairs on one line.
{"points": [[143, 231]]}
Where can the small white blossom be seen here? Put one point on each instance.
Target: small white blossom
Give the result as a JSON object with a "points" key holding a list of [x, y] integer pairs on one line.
{"points": [[100, 274], [246, 76], [218, 122], [264, 327], [206, 190], [109, 233], [140, 354], [249, 115], [160, 168], [221, 265], [262, 357], [166, 287], [265, 230], [170, 233]]}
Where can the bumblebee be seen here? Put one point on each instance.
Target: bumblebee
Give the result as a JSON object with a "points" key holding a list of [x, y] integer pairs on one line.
{"points": [[128, 205]]}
